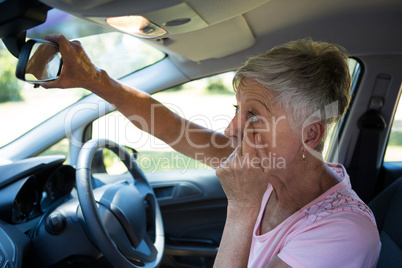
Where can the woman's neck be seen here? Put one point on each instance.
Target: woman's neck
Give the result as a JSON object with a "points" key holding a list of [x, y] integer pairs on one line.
{"points": [[294, 189]]}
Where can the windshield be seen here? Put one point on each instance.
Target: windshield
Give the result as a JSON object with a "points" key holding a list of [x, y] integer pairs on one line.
{"points": [[22, 107]]}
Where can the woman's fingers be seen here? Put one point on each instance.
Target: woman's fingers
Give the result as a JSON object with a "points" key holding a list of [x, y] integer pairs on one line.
{"points": [[78, 70], [227, 163], [242, 178], [59, 39], [255, 150], [249, 146], [65, 48], [248, 141], [261, 153]]}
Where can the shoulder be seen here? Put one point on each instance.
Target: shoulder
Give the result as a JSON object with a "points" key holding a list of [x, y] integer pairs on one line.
{"points": [[341, 236], [338, 227], [338, 203], [345, 239], [337, 200]]}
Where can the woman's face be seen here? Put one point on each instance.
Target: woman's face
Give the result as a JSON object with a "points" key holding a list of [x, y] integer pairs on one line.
{"points": [[256, 111]]}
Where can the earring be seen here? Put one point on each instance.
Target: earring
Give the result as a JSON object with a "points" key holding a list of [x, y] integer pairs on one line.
{"points": [[304, 157]]}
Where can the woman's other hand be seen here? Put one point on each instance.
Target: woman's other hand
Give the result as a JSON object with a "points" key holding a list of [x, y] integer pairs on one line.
{"points": [[244, 179], [243, 176]]}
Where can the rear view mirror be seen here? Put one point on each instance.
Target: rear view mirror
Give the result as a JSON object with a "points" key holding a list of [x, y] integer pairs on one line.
{"points": [[39, 61]]}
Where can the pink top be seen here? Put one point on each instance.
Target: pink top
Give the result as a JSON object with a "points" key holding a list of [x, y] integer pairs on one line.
{"points": [[335, 230]]}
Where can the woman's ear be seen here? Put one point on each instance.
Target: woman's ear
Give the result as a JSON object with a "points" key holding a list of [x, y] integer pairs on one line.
{"points": [[313, 133]]}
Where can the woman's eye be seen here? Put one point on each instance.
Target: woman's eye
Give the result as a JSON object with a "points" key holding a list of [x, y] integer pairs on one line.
{"points": [[253, 117], [236, 108]]}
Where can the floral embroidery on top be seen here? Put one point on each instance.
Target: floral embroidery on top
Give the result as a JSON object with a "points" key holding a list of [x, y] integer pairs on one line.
{"points": [[338, 171], [342, 200]]}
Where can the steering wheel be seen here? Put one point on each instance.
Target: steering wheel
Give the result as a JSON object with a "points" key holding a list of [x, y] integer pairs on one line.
{"points": [[122, 220]]}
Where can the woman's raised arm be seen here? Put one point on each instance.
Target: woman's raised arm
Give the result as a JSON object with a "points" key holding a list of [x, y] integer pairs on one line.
{"points": [[140, 108]]}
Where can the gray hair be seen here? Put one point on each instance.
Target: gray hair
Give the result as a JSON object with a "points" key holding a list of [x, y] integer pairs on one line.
{"points": [[305, 77]]}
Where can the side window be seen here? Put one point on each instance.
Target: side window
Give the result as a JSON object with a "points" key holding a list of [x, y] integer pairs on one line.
{"points": [[207, 102], [393, 151], [333, 132]]}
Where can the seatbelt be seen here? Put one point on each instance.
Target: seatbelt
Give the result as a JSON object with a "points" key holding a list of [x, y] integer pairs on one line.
{"points": [[364, 169], [366, 158], [371, 125]]}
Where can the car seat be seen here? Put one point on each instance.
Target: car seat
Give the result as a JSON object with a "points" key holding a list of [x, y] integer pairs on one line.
{"points": [[387, 208]]}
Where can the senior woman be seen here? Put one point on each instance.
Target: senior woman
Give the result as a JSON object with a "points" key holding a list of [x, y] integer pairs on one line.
{"points": [[286, 207], [309, 215]]}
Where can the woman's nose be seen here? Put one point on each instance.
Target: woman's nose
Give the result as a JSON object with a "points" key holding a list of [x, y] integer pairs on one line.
{"points": [[235, 128]]}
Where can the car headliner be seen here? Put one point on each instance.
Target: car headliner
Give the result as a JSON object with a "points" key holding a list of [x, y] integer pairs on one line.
{"points": [[237, 29]]}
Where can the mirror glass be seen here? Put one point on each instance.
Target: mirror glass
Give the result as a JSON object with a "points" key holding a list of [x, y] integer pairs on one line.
{"points": [[44, 62]]}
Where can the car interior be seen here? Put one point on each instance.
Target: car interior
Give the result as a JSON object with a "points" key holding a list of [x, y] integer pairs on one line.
{"points": [[81, 187]]}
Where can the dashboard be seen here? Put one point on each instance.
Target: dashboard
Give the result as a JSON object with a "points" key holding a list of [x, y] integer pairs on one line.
{"points": [[41, 221], [28, 190], [34, 186]]}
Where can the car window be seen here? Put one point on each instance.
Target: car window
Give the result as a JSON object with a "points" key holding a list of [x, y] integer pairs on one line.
{"points": [[393, 151], [23, 107], [331, 141], [207, 102]]}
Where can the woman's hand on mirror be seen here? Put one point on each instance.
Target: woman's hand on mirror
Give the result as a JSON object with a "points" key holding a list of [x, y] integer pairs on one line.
{"points": [[37, 63], [78, 70]]}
